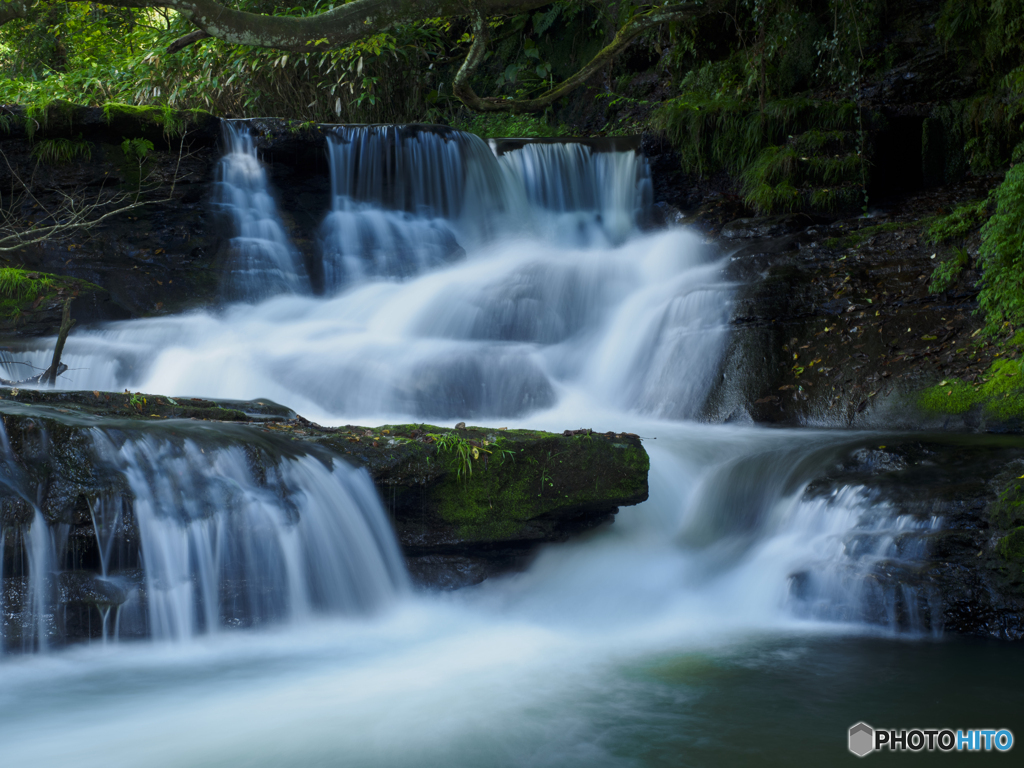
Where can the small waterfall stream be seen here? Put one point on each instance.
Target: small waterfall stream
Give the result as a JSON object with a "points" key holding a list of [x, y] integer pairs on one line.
{"points": [[263, 261]]}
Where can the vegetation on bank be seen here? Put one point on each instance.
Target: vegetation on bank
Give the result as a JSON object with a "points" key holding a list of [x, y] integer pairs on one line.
{"points": [[999, 391], [24, 291]]}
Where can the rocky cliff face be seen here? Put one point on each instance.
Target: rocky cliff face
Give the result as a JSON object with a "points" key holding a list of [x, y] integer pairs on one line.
{"points": [[169, 254], [835, 324]]}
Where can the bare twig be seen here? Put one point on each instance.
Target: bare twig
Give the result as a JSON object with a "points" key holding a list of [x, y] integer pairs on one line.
{"points": [[75, 213]]}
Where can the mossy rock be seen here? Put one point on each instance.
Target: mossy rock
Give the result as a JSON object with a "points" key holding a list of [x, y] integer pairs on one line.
{"points": [[1007, 510], [447, 487], [1011, 546], [133, 121], [31, 303]]}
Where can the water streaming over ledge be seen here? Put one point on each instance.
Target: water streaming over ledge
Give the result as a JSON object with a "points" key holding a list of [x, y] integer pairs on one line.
{"points": [[262, 260], [463, 285], [197, 535]]}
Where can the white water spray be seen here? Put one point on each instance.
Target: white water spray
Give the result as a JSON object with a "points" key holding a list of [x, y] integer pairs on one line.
{"points": [[262, 261]]}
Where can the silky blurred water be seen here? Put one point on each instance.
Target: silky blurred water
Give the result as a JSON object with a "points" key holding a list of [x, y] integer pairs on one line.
{"points": [[674, 637]]}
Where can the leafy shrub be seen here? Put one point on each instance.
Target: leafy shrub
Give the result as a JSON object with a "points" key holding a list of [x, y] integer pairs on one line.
{"points": [[961, 222], [1001, 255], [947, 273]]}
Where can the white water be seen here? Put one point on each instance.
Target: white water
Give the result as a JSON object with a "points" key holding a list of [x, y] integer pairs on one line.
{"points": [[566, 321], [262, 260]]}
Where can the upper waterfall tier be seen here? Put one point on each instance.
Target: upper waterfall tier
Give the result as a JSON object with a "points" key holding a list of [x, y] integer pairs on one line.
{"points": [[406, 199]]}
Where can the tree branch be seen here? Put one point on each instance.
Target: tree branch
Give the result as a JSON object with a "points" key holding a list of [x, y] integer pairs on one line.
{"points": [[13, 9], [353, 21], [185, 41], [74, 213], [341, 26], [626, 34]]}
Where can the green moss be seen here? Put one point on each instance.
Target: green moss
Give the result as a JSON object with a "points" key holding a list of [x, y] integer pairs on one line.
{"points": [[541, 477], [1000, 393], [1007, 511], [49, 115], [172, 122], [1011, 546]]}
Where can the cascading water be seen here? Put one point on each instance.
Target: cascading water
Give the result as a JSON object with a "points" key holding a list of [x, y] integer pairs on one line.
{"points": [[560, 315], [228, 537], [262, 261], [591, 197]]}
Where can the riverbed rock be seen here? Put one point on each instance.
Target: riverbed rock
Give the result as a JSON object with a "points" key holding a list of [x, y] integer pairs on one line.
{"points": [[966, 491], [466, 503]]}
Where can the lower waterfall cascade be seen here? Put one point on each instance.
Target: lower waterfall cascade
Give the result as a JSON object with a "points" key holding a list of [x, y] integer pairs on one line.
{"points": [[517, 290]]}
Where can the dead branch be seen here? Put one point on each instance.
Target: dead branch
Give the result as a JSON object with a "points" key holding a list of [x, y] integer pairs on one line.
{"points": [[66, 323], [75, 212]]}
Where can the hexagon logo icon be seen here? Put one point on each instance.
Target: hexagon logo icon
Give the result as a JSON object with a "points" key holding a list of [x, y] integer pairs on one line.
{"points": [[862, 738]]}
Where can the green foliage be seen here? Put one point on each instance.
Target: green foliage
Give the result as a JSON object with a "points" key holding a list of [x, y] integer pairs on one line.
{"points": [[93, 56], [136, 149], [728, 133], [462, 453], [1001, 256], [976, 134], [960, 223], [173, 122], [947, 273], [61, 151], [493, 126], [17, 285]]}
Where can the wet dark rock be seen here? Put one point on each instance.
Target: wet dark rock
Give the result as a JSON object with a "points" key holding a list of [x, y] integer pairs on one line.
{"points": [[963, 583], [465, 504], [769, 226], [834, 325], [92, 589]]}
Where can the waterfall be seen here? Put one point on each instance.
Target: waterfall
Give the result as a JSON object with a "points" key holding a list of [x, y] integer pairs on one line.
{"points": [[221, 549], [262, 261], [221, 535], [406, 199], [402, 196], [589, 197], [561, 312], [867, 563]]}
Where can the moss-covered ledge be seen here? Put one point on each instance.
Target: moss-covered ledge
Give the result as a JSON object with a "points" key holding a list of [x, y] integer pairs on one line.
{"points": [[465, 502], [31, 302]]}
